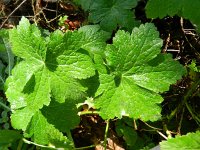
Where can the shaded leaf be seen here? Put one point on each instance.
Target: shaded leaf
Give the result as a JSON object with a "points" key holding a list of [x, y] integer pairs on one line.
{"points": [[9, 136], [128, 133], [46, 133], [111, 13], [65, 112], [184, 8]]}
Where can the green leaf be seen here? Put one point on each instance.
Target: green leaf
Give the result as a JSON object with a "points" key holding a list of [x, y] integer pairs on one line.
{"points": [[89, 102], [84, 3], [60, 114], [9, 136], [193, 66], [48, 77], [189, 141], [36, 94], [187, 9], [138, 74], [128, 133], [46, 133], [94, 39], [111, 13]]}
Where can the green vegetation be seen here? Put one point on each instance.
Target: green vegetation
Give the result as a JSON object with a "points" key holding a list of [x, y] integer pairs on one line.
{"points": [[113, 69]]}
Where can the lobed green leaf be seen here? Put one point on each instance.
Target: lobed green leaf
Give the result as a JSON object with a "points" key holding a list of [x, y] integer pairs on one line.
{"points": [[111, 13], [43, 132], [188, 141], [138, 74], [184, 8], [47, 79]]}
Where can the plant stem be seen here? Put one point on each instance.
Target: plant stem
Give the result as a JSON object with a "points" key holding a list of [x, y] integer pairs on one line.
{"points": [[88, 112], [19, 147], [2, 80], [106, 134], [8, 51], [86, 147], [181, 120], [29, 142], [193, 115], [192, 88], [4, 106], [69, 135], [161, 134]]}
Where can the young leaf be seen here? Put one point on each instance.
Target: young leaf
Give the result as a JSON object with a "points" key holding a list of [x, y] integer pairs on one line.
{"points": [[138, 74], [193, 66], [187, 9], [189, 141], [111, 13]]}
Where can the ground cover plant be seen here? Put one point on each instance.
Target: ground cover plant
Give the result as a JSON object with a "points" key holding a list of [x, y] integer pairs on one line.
{"points": [[99, 75]]}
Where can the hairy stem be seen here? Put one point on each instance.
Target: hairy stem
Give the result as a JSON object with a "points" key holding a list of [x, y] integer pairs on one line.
{"points": [[106, 135], [29, 142], [88, 113]]}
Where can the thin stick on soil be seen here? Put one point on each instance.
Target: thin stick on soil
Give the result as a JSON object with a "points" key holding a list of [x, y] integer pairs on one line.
{"points": [[12, 13]]}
